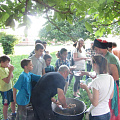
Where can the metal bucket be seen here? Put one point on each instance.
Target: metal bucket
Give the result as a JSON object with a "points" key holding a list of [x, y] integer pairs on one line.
{"points": [[76, 113]]}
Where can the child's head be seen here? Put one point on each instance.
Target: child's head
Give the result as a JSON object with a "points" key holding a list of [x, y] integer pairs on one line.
{"points": [[39, 49], [38, 41], [44, 44], [4, 61], [62, 54], [100, 64], [47, 59], [27, 64]]}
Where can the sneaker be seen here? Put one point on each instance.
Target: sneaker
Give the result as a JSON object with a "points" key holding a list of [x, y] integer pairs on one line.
{"points": [[14, 114]]}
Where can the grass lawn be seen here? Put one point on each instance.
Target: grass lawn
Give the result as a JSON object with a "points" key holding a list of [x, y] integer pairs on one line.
{"points": [[15, 60]]}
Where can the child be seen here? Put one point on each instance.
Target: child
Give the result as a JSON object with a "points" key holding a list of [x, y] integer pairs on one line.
{"points": [[33, 52], [45, 45], [49, 68], [62, 60], [6, 74], [38, 63], [24, 87], [102, 87]]}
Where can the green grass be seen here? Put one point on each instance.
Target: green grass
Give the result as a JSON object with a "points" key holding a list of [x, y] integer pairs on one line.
{"points": [[16, 59]]}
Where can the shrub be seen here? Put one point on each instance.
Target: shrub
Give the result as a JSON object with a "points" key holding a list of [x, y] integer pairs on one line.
{"points": [[8, 43]]}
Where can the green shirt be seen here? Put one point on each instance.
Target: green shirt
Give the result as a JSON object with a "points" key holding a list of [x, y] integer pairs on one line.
{"points": [[4, 72], [113, 60]]}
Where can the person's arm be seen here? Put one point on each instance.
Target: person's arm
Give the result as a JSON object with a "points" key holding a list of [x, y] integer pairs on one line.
{"points": [[84, 73], [76, 58], [61, 97], [114, 71], [43, 71], [7, 79], [93, 76], [93, 97], [35, 77], [55, 101], [14, 94]]}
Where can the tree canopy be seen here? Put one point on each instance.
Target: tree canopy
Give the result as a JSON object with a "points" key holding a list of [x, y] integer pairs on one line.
{"points": [[106, 13], [64, 31]]}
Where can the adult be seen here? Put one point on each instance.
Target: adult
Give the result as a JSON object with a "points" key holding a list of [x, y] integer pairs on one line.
{"points": [[102, 90], [100, 46], [48, 86], [79, 57], [115, 50]]}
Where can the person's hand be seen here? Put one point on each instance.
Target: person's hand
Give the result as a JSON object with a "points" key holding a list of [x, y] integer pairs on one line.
{"points": [[71, 72], [92, 75], [11, 67], [83, 86], [57, 103], [87, 58], [73, 67], [82, 73]]}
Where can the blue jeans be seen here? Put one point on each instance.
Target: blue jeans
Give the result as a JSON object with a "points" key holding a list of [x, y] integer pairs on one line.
{"points": [[77, 83], [100, 117], [89, 67]]}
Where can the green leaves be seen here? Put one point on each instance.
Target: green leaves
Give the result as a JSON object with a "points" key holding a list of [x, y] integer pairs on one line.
{"points": [[6, 9], [104, 12], [8, 42], [88, 27], [110, 1]]}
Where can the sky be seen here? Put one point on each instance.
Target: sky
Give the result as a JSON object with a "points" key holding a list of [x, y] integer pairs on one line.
{"points": [[37, 24]]}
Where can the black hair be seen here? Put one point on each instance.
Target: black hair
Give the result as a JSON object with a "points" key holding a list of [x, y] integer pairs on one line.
{"points": [[75, 44], [25, 62], [46, 56], [114, 44], [59, 53], [38, 41], [62, 51], [44, 42], [39, 46], [4, 58]]}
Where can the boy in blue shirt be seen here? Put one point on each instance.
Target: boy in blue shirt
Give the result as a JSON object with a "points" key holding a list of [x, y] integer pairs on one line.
{"points": [[49, 68], [24, 87]]}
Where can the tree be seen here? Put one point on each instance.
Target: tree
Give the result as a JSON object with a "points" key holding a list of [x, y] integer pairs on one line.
{"points": [[105, 12], [64, 31], [8, 43]]}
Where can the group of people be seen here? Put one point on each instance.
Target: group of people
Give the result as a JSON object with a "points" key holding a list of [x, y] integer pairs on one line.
{"points": [[40, 81]]}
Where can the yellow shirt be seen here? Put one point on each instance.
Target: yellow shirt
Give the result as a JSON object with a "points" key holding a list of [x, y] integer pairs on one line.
{"points": [[4, 72]]}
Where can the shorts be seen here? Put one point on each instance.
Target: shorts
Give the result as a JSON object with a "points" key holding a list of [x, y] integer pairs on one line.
{"points": [[7, 97]]}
